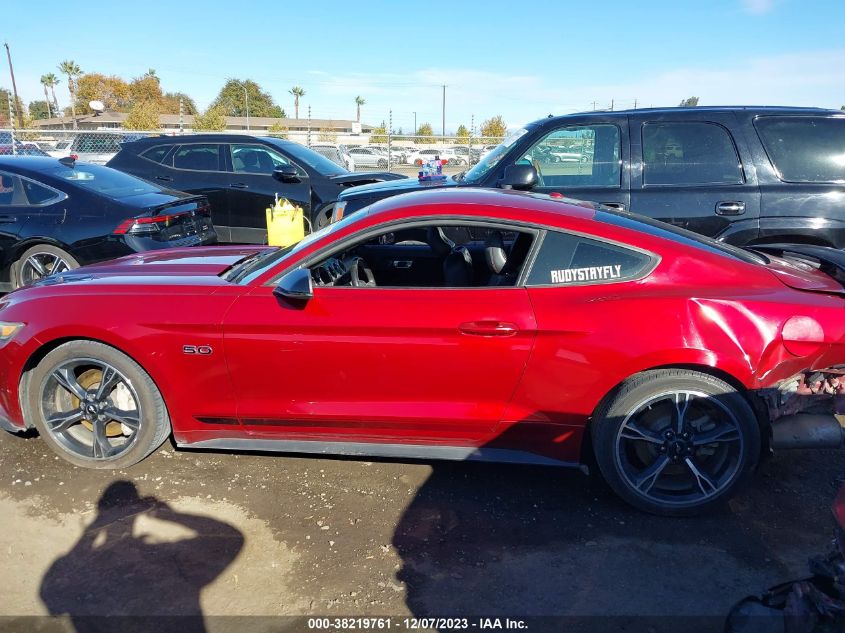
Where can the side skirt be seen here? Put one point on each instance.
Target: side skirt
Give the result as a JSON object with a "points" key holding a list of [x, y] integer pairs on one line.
{"points": [[374, 449]]}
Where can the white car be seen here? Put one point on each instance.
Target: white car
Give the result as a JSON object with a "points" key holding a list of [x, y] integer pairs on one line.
{"points": [[447, 154], [368, 157]]}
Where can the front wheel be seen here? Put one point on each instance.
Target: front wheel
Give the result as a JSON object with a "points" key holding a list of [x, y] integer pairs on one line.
{"points": [[95, 407], [41, 261], [382, 163], [675, 442]]}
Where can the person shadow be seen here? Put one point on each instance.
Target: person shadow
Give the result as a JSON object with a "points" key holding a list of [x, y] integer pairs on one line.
{"points": [[117, 579]]}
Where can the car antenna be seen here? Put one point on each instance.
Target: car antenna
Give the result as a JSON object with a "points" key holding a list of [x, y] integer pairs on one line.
{"points": [[69, 161]]}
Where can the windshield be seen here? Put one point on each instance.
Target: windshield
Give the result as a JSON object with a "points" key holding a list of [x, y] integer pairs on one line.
{"points": [[252, 267], [104, 180], [315, 161], [486, 164]]}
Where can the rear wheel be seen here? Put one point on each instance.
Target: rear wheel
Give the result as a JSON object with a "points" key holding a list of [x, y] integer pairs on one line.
{"points": [[382, 163], [676, 442], [41, 261], [95, 406]]}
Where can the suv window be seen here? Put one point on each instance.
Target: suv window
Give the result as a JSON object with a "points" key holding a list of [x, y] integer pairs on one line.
{"points": [[255, 159], [573, 260], [202, 157], [157, 153], [578, 156], [805, 149], [689, 154]]}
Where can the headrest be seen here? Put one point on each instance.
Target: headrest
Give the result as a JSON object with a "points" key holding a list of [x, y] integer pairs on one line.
{"points": [[494, 253]]}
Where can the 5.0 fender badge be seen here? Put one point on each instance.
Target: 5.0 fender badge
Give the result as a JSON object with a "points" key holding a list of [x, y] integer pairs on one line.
{"points": [[202, 350]]}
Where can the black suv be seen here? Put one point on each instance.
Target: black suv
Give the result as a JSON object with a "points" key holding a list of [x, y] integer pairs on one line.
{"points": [[744, 175]]}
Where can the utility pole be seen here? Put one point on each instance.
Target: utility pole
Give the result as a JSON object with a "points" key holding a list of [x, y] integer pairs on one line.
{"points": [[611, 105], [443, 129], [594, 105], [635, 103], [14, 86], [415, 124], [309, 125]]}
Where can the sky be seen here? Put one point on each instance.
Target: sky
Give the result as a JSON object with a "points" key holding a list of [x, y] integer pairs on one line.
{"points": [[523, 61]]}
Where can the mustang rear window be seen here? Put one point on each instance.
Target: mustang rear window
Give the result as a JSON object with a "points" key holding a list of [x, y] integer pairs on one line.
{"points": [[566, 259]]}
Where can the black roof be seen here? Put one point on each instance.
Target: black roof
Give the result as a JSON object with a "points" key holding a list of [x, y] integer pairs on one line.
{"points": [[671, 110], [29, 165], [204, 138]]}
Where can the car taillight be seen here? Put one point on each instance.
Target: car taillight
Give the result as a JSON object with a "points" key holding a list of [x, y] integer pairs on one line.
{"points": [[204, 210], [802, 335], [146, 226], [839, 508]]}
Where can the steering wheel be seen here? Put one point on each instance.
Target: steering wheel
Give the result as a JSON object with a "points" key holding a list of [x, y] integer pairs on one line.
{"points": [[361, 274]]}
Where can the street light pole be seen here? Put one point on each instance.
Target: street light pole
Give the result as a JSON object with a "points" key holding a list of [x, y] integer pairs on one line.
{"points": [[415, 123], [246, 101]]}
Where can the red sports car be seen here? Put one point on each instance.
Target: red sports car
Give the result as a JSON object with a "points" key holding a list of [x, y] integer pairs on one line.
{"points": [[466, 324]]}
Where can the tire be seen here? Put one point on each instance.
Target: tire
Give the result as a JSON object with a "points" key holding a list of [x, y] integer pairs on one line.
{"points": [[656, 467], [25, 271], [382, 164], [50, 405]]}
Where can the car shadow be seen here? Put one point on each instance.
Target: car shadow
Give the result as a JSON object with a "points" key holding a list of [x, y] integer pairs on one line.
{"points": [[117, 579], [556, 546]]}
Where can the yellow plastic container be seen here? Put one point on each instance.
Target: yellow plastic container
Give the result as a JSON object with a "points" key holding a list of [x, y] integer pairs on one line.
{"points": [[285, 223]]}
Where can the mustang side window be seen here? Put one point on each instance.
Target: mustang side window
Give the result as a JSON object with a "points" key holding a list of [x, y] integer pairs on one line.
{"points": [[572, 260], [446, 256]]}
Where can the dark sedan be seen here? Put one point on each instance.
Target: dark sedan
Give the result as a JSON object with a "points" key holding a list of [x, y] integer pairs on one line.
{"points": [[57, 214], [241, 175]]}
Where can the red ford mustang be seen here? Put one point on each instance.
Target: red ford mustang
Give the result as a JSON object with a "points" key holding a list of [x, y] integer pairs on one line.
{"points": [[464, 324]]}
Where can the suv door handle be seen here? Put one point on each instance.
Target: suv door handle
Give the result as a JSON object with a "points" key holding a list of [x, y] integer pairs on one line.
{"points": [[239, 185], [7, 219], [164, 178], [619, 206], [730, 208], [488, 328], [401, 263]]}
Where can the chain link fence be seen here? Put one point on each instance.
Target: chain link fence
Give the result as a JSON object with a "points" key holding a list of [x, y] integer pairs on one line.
{"points": [[395, 152]]}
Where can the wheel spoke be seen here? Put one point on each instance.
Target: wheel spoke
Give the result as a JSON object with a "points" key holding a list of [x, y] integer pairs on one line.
{"points": [[57, 265], [635, 432], [130, 418], [682, 401], [647, 478], [63, 421], [100, 446], [108, 379], [66, 378], [37, 266], [707, 486], [722, 433]]}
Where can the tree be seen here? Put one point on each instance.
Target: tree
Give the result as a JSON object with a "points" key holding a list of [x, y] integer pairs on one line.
{"points": [[359, 101], [278, 130], [690, 102], [494, 127], [379, 134], [297, 92], [39, 110], [170, 103], [214, 118], [231, 100], [145, 88], [51, 81], [44, 82], [842, 108], [463, 132], [5, 100], [112, 91], [72, 70], [426, 132], [144, 115]]}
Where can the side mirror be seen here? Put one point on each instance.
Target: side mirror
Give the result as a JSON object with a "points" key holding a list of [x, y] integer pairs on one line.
{"points": [[521, 177], [295, 285], [286, 173]]}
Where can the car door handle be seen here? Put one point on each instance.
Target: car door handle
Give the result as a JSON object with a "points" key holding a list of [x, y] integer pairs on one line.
{"points": [[7, 219], [239, 185], [488, 328], [730, 208], [619, 206], [164, 178], [401, 263]]}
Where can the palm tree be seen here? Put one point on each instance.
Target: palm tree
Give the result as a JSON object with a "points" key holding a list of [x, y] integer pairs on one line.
{"points": [[151, 74], [51, 81], [45, 82], [72, 70], [359, 101], [297, 92]]}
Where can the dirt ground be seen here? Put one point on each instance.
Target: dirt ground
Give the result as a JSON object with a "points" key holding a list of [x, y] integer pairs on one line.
{"points": [[190, 533]]}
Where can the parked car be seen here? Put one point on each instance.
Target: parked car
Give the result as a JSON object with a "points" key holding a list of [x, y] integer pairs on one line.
{"points": [[464, 152], [241, 175], [743, 175], [506, 306], [58, 214], [97, 147], [368, 157], [21, 149], [443, 153], [338, 154]]}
